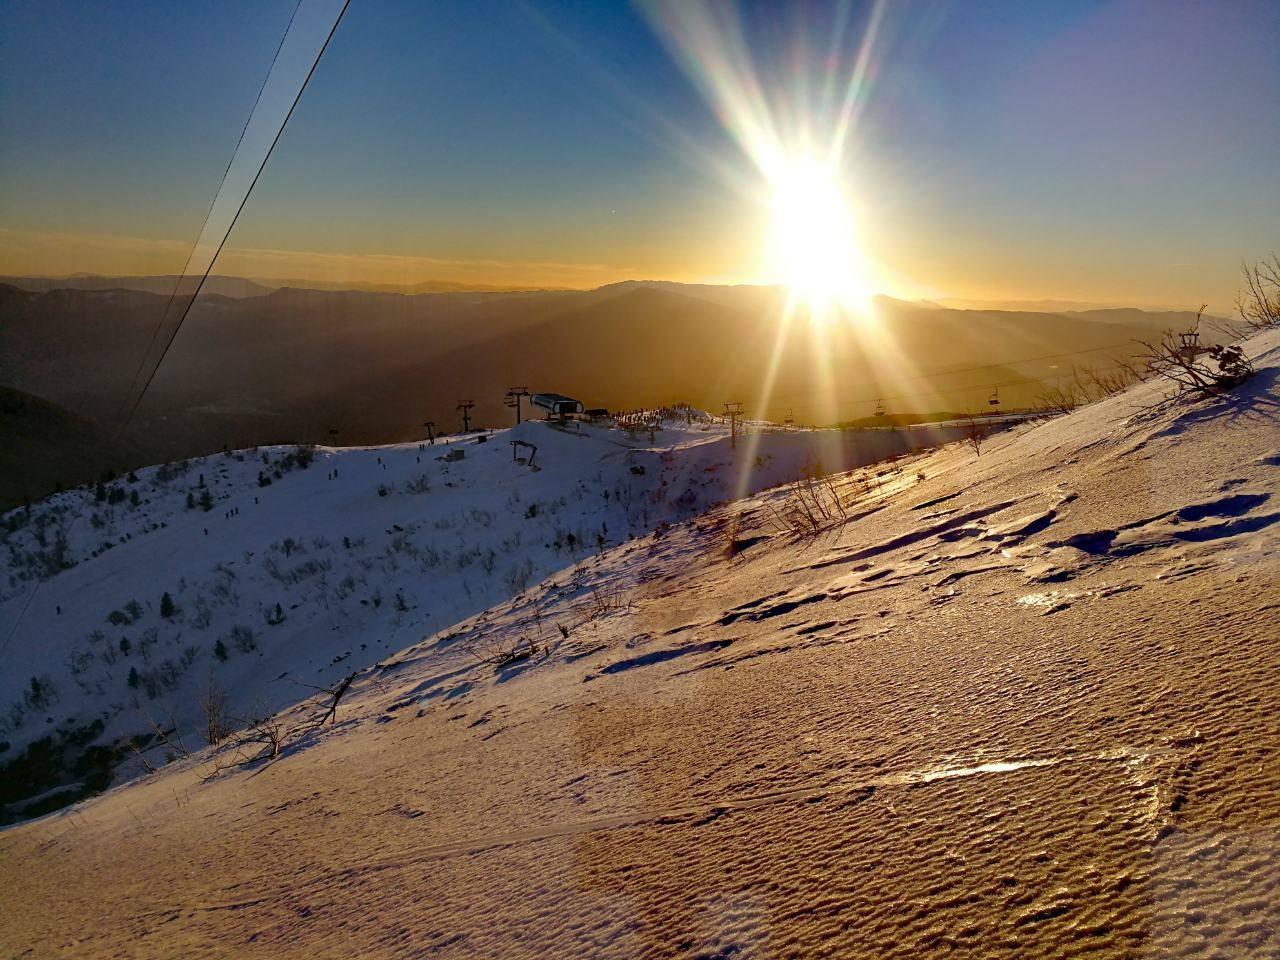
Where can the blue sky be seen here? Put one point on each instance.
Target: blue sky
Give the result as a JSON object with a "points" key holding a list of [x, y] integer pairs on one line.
{"points": [[1095, 150]]}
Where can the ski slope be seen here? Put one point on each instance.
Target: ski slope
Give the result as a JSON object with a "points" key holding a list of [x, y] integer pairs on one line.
{"points": [[298, 575], [1019, 705]]}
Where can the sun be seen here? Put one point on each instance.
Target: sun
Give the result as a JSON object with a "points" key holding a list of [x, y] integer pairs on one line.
{"points": [[813, 243]]}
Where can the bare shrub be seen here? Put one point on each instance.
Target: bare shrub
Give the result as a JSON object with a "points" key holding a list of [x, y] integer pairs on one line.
{"points": [[975, 434], [1094, 383], [265, 736], [1207, 370], [165, 733], [729, 536], [203, 616], [216, 709], [322, 708], [499, 651], [601, 603], [265, 733], [1059, 400], [810, 505], [518, 576], [1259, 303], [242, 638]]}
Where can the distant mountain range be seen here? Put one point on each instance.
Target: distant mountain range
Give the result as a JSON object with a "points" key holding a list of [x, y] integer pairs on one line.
{"points": [[1041, 306], [292, 364], [238, 286]]}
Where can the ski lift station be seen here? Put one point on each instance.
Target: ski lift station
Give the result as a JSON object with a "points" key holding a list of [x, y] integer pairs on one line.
{"points": [[556, 404]]}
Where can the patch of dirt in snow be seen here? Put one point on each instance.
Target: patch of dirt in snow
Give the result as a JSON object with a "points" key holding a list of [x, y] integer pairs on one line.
{"points": [[876, 742]]}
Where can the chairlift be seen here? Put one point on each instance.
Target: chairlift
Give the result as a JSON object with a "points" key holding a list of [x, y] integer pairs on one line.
{"points": [[994, 399], [880, 408], [1189, 347]]}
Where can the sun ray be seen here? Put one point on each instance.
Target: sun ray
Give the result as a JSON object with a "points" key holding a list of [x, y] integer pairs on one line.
{"points": [[797, 130]]}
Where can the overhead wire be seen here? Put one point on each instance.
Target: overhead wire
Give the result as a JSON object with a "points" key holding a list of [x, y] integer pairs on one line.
{"points": [[142, 361], [240, 209], [213, 260], [969, 369]]}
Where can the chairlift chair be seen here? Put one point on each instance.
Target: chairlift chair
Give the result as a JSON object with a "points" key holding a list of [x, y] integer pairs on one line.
{"points": [[879, 408], [994, 399], [1189, 347]]}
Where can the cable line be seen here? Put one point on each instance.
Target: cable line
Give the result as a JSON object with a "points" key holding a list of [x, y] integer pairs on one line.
{"points": [[205, 276], [240, 209], [142, 361]]}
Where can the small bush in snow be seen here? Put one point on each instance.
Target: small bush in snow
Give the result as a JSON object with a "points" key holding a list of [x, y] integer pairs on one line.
{"points": [[203, 616], [40, 693], [215, 706], [243, 639], [518, 576]]}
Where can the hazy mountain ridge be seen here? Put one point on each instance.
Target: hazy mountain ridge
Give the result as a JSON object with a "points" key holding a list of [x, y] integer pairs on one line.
{"points": [[298, 362]]}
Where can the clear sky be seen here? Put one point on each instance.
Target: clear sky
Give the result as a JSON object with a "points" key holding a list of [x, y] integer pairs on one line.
{"points": [[1113, 150]]}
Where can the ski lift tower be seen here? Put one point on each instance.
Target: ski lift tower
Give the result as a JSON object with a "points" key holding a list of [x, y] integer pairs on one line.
{"points": [[733, 410], [513, 399]]}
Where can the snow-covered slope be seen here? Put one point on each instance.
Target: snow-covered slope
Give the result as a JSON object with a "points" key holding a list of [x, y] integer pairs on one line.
{"points": [[1020, 705], [289, 568]]}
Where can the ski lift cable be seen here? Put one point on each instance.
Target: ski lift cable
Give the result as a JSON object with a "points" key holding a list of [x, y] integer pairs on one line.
{"points": [[1001, 363], [934, 393], [240, 209], [181, 319], [142, 361], [957, 370], [885, 398]]}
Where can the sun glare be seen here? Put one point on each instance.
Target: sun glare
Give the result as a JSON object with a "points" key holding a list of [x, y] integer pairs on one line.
{"points": [[813, 243]]}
